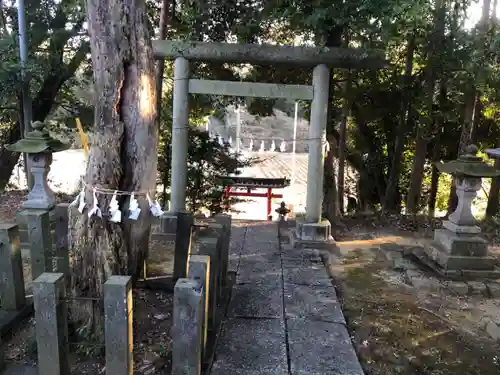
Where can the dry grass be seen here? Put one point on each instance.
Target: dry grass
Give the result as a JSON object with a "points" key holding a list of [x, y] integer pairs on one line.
{"points": [[394, 333]]}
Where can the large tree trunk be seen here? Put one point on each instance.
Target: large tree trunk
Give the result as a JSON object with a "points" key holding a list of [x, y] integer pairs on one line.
{"points": [[391, 201], [123, 153]]}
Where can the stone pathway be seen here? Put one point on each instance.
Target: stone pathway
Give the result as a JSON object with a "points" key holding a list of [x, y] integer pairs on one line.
{"points": [[284, 317]]}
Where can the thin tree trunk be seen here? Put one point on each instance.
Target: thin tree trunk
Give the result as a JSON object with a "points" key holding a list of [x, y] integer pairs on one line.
{"points": [[330, 203], [415, 190], [436, 152], [471, 98], [123, 153], [333, 38], [494, 194], [165, 17], [417, 174], [391, 201], [342, 142]]}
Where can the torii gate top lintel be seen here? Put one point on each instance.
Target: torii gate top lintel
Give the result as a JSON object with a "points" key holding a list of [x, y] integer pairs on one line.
{"points": [[342, 58], [321, 59]]}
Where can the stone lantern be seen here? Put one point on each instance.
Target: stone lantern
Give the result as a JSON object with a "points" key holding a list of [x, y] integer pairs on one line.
{"points": [[458, 250], [39, 146]]}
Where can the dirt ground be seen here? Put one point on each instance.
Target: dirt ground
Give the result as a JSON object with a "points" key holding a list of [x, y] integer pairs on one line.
{"points": [[398, 328]]}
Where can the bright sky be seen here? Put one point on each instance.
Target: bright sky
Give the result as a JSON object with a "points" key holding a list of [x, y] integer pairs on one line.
{"points": [[474, 13]]}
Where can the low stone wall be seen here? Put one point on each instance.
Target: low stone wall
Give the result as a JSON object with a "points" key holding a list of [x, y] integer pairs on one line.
{"points": [[201, 296], [45, 254], [50, 302]]}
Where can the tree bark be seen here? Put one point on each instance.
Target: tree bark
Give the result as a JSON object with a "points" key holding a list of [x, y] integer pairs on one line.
{"points": [[391, 202], [123, 153]]}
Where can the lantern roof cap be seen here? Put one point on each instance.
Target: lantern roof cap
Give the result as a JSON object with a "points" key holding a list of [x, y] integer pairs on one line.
{"points": [[37, 141], [468, 164]]}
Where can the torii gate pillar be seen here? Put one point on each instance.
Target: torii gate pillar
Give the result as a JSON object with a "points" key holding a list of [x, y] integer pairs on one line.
{"points": [[317, 135], [314, 229], [180, 131]]}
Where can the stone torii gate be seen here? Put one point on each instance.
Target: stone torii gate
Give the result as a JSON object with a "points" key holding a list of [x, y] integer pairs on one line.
{"points": [[313, 228]]}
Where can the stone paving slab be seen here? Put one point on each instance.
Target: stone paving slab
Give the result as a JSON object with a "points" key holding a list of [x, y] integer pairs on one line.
{"points": [[254, 338], [256, 258], [321, 348], [306, 255], [253, 247], [313, 303], [257, 273], [251, 347], [257, 300], [315, 275], [258, 268]]}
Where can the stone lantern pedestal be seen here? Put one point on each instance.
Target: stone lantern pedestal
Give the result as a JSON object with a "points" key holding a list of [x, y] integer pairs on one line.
{"points": [[458, 250]]}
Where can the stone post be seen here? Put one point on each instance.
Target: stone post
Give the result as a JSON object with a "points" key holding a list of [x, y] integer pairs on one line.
{"points": [[187, 327], [224, 220], [49, 293], [62, 246], [118, 325], [40, 241], [319, 106], [183, 237], [199, 270], [11, 269], [180, 124], [208, 246]]}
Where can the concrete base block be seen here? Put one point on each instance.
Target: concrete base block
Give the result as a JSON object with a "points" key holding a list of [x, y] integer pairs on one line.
{"points": [[168, 223], [320, 231], [461, 244], [457, 262], [312, 235], [461, 229], [455, 274]]}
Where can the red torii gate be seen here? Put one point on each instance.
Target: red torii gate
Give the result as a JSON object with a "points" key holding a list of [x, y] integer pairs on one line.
{"points": [[252, 183]]}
